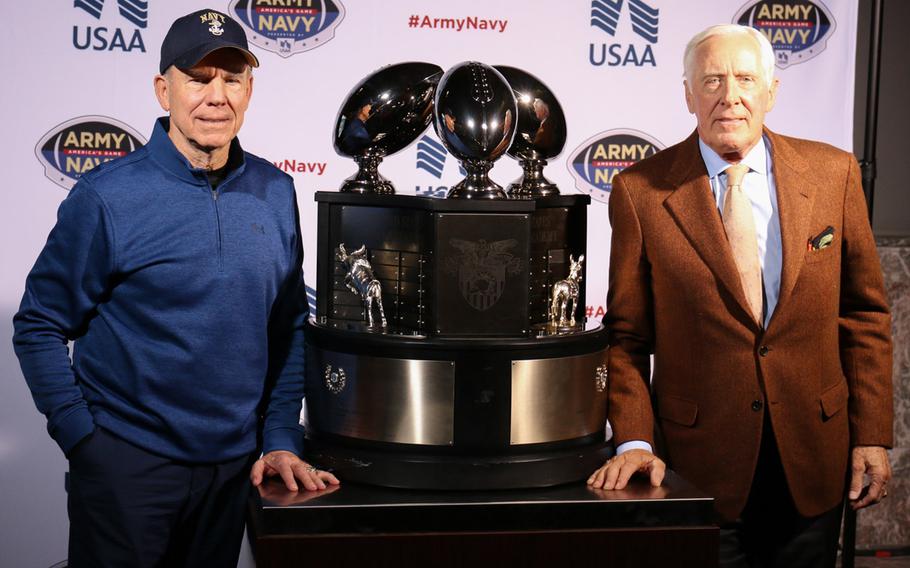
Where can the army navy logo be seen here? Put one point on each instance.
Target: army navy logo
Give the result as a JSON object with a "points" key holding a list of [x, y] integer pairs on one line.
{"points": [[598, 159], [288, 27], [797, 29], [482, 268], [79, 145], [645, 18]]}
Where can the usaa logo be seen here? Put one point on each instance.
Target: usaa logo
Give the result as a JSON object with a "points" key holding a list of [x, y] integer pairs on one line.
{"points": [[78, 145], [600, 158], [798, 29], [606, 16], [288, 27], [112, 37], [431, 158]]}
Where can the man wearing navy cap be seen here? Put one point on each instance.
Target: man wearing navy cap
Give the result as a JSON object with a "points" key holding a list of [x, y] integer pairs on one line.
{"points": [[176, 273]]}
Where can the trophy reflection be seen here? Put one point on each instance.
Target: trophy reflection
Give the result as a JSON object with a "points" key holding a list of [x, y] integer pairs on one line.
{"points": [[475, 120], [381, 115], [541, 132]]}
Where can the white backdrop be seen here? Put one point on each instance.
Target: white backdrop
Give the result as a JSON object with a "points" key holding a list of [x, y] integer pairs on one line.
{"points": [[615, 65]]}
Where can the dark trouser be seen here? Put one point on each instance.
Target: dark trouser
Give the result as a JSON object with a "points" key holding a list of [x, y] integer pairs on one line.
{"points": [[128, 507], [770, 531]]}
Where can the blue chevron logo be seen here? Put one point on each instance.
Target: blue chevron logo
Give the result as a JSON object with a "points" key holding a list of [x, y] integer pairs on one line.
{"points": [[605, 14], [134, 11], [645, 18], [93, 7], [431, 156], [311, 299]]}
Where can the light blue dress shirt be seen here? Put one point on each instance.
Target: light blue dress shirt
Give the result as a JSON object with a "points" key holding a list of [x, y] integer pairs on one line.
{"points": [[759, 187]]}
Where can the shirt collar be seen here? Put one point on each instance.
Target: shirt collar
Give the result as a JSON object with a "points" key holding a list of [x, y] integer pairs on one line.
{"points": [[163, 151], [756, 159]]}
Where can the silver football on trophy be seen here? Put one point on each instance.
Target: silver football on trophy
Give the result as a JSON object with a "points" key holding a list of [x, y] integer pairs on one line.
{"points": [[540, 133], [475, 119], [384, 113]]}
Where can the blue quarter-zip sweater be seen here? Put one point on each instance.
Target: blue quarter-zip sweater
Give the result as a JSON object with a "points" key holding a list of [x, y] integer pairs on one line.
{"points": [[185, 306]]}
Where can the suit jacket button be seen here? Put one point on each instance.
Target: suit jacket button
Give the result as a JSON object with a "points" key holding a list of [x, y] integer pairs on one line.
{"points": [[763, 350], [757, 405]]}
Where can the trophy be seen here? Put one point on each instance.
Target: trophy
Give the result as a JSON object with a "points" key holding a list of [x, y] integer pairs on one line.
{"points": [[475, 119], [540, 133], [449, 349], [384, 113]]}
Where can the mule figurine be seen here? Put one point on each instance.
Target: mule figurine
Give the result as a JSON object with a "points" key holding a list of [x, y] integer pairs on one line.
{"points": [[566, 292], [359, 279]]}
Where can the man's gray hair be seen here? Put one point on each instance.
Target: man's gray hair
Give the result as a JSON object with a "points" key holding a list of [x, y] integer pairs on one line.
{"points": [[764, 48]]}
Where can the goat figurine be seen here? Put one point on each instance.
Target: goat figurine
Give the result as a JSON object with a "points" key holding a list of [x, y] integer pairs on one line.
{"points": [[566, 291], [359, 279]]}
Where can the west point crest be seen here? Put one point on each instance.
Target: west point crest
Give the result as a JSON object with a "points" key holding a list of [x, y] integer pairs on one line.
{"points": [[482, 268]]}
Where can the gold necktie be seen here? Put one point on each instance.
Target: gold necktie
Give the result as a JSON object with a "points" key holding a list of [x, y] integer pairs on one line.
{"points": [[740, 227]]}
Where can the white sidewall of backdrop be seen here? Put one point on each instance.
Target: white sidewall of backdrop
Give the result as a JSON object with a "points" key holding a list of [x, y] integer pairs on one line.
{"points": [[67, 60]]}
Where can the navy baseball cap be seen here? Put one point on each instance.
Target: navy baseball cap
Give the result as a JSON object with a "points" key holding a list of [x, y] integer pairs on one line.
{"points": [[195, 35]]}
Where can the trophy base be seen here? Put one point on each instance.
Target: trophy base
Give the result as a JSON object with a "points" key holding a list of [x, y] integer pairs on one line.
{"points": [[368, 179], [466, 413], [551, 328], [464, 190], [428, 471], [532, 183], [477, 184], [524, 190], [383, 187]]}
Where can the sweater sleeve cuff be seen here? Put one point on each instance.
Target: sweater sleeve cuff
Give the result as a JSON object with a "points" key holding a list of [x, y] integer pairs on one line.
{"points": [[77, 425], [288, 439]]}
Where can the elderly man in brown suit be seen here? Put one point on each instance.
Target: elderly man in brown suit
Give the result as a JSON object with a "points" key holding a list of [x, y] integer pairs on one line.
{"points": [[744, 261]]}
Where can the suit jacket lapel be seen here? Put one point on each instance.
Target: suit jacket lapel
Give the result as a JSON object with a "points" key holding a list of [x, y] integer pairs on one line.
{"points": [[795, 193], [694, 208]]}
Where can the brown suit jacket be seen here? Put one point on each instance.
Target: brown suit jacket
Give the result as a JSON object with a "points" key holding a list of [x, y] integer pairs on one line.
{"points": [[821, 369]]}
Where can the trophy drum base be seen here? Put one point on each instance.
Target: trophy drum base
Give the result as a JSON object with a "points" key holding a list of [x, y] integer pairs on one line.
{"points": [[471, 413]]}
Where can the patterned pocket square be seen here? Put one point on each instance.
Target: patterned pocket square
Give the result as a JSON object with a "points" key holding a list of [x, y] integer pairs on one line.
{"points": [[822, 240]]}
